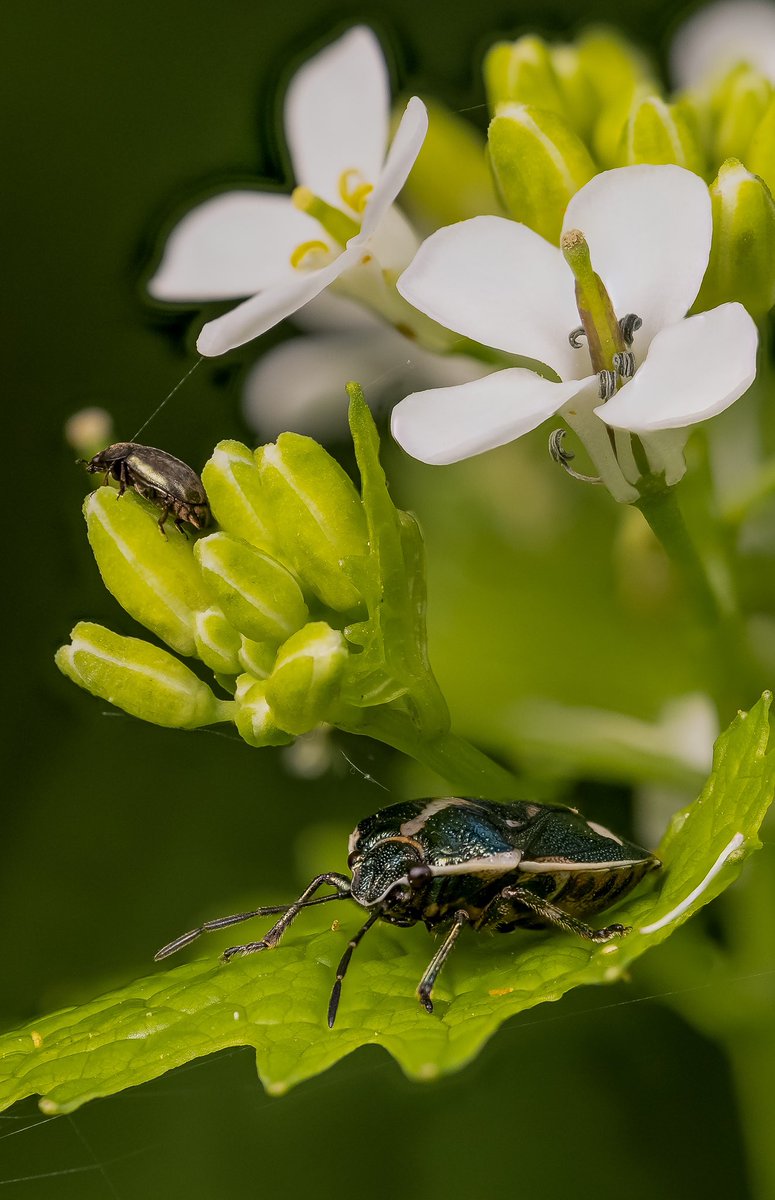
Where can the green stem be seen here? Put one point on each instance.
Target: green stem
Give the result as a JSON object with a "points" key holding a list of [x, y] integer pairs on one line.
{"points": [[465, 768], [660, 508], [734, 676]]}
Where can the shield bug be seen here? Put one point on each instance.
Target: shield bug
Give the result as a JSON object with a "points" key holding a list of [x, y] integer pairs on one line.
{"points": [[159, 477], [455, 861]]}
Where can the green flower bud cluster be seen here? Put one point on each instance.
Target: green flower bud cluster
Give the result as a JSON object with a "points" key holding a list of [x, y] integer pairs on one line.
{"points": [[306, 602], [563, 113]]}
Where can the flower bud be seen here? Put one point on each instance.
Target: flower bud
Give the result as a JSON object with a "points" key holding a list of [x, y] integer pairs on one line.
{"points": [[740, 104], [233, 488], [742, 254], [522, 72], [615, 69], [217, 642], [613, 65], [257, 658], [656, 132], [255, 722], [317, 516], [259, 596], [142, 679], [578, 94], [304, 685], [760, 157], [154, 578], [538, 163]]}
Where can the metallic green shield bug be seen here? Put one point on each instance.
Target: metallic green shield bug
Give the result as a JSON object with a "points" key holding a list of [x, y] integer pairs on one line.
{"points": [[455, 861], [159, 477]]}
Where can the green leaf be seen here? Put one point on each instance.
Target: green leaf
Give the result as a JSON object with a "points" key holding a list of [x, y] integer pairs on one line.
{"points": [[394, 659], [277, 1001]]}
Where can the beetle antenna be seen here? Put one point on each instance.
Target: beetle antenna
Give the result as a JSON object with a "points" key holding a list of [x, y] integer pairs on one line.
{"points": [[157, 410], [341, 970], [271, 910]]}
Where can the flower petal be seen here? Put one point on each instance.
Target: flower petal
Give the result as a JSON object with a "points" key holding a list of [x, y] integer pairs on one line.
{"points": [[501, 284], [694, 370], [261, 312], [231, 246], [300, 385], [337, 110], [649, 231], [720, 36], [444, 425], [404, 148]]}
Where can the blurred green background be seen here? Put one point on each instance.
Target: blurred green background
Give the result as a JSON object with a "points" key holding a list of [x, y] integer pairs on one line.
{"points": [[114, 835]]}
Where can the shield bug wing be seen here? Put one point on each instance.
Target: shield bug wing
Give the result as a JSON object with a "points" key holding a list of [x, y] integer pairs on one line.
{"points": [[589, 866]]}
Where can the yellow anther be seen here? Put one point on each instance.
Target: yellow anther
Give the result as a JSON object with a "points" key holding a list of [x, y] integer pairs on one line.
{"points": [[354, 194], [314, 251]]}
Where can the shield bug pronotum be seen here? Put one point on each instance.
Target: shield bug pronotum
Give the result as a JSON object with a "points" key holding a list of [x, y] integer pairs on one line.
{"points": [[157, 476], [453, 862]]}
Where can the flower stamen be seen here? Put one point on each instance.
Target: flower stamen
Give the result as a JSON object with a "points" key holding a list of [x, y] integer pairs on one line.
{"points": [[336, 224], [629, 326], [563, 457], [624, 364], [354, 194], [574, 335], [310, 255], [609, 382]]}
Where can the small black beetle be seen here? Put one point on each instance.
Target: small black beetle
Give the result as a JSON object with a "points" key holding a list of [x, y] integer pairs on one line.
{"points": [[456, 861], [157, 476]]}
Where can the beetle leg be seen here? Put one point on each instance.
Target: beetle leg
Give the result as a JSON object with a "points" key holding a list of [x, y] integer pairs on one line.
{"points": [[165, 512], [425, 986], [121, 477], [270, 939], [344, 963], [555, 916]]}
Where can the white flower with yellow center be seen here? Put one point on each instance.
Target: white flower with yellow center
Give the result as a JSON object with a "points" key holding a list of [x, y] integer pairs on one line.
{"points": [[339, 225], [604, 314]]}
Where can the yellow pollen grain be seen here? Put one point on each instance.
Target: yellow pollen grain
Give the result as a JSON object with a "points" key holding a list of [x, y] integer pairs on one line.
{"points": [[504, 991]]}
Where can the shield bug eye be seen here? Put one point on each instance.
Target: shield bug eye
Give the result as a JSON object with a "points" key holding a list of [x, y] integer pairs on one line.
{"points": [[420, 875], [352, 859]]}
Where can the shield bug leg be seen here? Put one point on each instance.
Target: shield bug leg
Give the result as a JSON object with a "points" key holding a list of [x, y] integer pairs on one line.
{"points": [[555, 916], [270, 939], [425, 986], [344, 963]]}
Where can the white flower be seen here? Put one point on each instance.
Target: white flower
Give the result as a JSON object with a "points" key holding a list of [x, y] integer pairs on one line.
{"points": [[648, 229], [719, 37], [340, 222], [300, 384]]}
